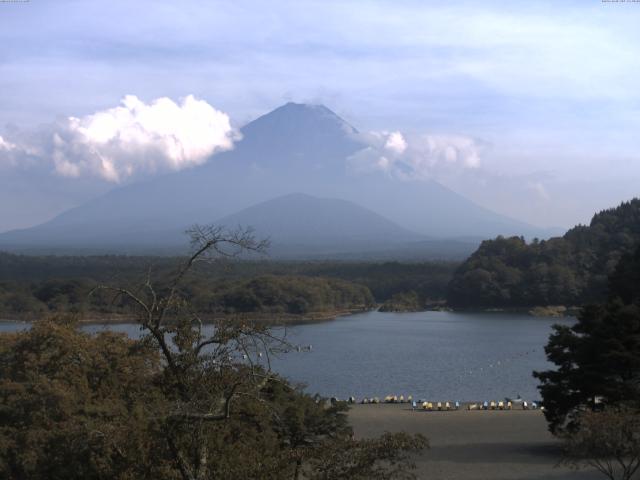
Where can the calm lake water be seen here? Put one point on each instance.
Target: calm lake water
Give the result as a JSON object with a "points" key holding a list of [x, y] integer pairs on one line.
{"points": [[435, 355]]}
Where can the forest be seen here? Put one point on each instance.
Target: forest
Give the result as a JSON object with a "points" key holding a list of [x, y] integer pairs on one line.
{"points": [[33, 285], [570, 270]]}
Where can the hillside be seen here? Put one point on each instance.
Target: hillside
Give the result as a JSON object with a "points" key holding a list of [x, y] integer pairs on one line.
{"points": [[303, 219], [567, 270]]}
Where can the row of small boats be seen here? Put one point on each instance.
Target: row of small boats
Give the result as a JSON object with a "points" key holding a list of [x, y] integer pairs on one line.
{"points": [[506, 404], [387, 399], [439, 406]]}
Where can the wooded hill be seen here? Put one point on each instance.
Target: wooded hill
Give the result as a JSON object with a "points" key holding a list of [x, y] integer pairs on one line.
{"points": [[568, 270]]}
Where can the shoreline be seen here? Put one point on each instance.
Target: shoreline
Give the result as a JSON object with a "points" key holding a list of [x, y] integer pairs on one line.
{"points": [[269, 319], [553, 311], [284, 319]]}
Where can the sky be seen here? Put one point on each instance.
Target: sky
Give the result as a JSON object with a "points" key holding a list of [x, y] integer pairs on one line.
{"points": [[547, 92]]}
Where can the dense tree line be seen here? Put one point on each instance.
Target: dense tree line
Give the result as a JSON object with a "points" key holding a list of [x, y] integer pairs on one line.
{"points": [[569, 270], [428, 280], [403, 302], [280, 294], [267, 294], [31, 285]]}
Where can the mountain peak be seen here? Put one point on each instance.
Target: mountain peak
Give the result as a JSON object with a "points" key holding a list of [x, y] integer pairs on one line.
{"points": [[293, 108], [298, 137], [308, 106], [301, 117]]}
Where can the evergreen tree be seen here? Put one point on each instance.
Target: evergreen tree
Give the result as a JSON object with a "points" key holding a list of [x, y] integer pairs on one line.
{"points": [[598, 358]]}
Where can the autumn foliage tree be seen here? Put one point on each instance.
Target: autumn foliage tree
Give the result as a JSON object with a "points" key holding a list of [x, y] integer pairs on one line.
{"points": [[77, 406]]}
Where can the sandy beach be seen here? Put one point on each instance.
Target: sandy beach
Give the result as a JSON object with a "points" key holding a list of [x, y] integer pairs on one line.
{"points": [[473, 445]]}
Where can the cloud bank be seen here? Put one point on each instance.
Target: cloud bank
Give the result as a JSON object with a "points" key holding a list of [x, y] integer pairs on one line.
{"points": [[6, 146], [132, 139], [416, 157]]}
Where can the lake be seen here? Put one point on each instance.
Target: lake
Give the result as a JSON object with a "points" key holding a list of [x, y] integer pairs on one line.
{"points": [[434, 355]]}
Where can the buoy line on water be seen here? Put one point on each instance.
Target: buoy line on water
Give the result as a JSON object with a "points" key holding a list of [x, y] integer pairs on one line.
{"points": [[494, 365], [427, 405]]}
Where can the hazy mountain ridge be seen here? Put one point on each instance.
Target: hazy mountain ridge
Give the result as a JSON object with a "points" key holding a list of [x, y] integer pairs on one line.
{"points": [[295, 148], [303, 219]]}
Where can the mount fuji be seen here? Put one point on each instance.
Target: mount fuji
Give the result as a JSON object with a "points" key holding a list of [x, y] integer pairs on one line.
{"points": [[288, 178]]}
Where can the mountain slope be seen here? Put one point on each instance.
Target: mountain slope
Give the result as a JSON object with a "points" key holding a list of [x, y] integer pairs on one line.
{"points": [[293, 148]]}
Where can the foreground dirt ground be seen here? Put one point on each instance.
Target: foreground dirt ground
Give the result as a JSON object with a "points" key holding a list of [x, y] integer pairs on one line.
{"points": [[473, 445]]}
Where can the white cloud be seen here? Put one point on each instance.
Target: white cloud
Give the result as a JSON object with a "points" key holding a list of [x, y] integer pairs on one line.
{"points": [[396, 143], [126, 141], [411, 157], [8, 153], [6, 146], [539, 189], [136, 137]]}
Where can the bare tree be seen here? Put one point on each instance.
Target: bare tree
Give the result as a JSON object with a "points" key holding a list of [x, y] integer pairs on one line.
{"points": [[210, 367], [217, 384]]}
